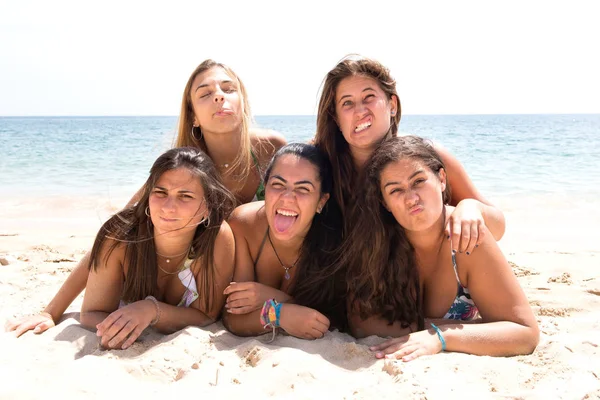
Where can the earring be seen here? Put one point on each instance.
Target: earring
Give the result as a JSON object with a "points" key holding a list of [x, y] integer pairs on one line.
{"points": [[206, 221], [319, 210], [194, 133], [393, 112], [147, 211]]}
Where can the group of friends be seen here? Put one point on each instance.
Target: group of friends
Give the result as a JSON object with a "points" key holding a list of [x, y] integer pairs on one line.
{"points": [[360, 230]]}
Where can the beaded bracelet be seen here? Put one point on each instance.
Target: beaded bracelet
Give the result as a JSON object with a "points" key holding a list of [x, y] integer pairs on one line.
{"points": [[439, 334], [269, 315], [157, 318]]}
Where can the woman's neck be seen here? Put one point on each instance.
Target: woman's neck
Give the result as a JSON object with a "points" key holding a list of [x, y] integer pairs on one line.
{"points": [[288, 249], [360, 157], [223, 148], [169, 245]]}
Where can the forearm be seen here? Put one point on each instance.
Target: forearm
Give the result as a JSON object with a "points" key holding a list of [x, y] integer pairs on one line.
{"points": [[89, 319], [69, 290], [173, 318], [244, 324], [491, 339], [494, 220]]}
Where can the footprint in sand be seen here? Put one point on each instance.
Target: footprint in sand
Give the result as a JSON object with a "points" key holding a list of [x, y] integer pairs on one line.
{"points": [[252, 357], [564, 278]]}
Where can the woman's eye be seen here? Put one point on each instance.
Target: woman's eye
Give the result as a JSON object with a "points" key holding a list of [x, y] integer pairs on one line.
{"points": [[397, 190], [159, 193], [229, 89], [419, 181], [369, 97], [303, 190], [204, 95], [347, 103]]}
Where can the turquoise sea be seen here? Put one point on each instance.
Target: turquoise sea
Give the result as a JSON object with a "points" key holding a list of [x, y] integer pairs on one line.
{"points": [[506, 155]]}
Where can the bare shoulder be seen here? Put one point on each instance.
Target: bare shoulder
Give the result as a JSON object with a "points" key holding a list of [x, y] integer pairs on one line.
{"points": [[265, 142], [224, 242], [246, 214]]}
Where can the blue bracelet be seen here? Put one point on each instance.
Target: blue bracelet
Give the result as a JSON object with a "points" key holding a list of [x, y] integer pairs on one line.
{"points": [[439, 334]]}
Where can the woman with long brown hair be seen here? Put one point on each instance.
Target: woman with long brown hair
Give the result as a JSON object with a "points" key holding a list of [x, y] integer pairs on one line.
{"points": [[166, 260], [360, 108], [215, 117], [405, 279]]}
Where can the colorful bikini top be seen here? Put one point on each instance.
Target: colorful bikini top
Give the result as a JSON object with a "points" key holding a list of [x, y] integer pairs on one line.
{"points": [[463, 308]]}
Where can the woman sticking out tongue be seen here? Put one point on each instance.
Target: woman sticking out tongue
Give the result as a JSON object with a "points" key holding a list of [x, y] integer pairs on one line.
{"points": [[283, 248]]}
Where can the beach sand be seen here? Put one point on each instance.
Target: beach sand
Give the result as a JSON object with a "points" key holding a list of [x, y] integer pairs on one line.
{"points": [[550, 241]]}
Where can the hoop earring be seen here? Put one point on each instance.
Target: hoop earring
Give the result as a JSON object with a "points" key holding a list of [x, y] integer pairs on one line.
{"points": [[197, 137], [147, 212], [206, 221]]}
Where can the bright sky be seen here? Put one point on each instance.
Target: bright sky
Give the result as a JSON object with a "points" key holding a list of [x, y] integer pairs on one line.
{"points": [[118, 57]]}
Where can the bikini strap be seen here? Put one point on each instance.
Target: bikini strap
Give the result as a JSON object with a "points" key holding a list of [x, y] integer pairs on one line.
{"points": [[456, 269], [260, 249]]}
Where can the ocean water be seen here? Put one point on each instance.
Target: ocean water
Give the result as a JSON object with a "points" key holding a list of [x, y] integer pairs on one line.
{"points": [[505, 155]]}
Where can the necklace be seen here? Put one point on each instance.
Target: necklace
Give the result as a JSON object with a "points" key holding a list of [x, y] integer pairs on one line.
{"points": [[287, 269], [168, 258], [169, 272]]}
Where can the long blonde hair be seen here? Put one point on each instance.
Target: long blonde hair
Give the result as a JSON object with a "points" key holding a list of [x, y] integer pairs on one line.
{"points": [[190, 136]]}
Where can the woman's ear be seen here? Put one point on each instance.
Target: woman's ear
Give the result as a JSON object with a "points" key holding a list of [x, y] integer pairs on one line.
{"points": [[322, 202], [442, 177], [394, 105]]}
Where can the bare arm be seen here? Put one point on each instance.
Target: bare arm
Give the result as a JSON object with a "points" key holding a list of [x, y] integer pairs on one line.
{"points": [[464, 188], [508, 325]]}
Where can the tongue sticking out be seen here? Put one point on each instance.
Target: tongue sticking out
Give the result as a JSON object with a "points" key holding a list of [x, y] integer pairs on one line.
{"points": [[283, 222]]}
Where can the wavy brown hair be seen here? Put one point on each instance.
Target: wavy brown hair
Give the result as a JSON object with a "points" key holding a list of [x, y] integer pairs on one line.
{"points": [[190, 136], [382, 274], [133, 228], [329, 138]]}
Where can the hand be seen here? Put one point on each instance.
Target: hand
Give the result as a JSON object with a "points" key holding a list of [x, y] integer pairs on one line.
{"points": [[303, 322], [410, 346], [122, 327], [39, 323], [245, 297], [464, 226]]}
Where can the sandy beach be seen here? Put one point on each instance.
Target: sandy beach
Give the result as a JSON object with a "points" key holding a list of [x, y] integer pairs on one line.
{"points": [[550, 240]]}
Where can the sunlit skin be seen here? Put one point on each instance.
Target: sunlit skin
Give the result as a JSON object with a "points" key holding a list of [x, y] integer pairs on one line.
{"points": [[413, 194], [294, 189], [216, 101], [363, 112], [177, 203]]}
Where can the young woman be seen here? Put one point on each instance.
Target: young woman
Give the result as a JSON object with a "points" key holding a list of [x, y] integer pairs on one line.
{"points": [[359, 108], [215, 117], [283, 248], [402, 267], [166, 260]]}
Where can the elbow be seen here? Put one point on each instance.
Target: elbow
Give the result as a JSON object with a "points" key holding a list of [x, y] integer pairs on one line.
{"points": [[87, 320], [530, 340]]}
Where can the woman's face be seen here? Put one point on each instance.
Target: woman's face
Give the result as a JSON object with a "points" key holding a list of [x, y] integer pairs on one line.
{"points": [[413, 193], [177, 202], [292, 196], [363, 111], [216, 101]]}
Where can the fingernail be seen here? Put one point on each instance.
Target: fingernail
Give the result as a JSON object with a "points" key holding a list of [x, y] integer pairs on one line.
{"points": [[372, 348], [468, 253]]}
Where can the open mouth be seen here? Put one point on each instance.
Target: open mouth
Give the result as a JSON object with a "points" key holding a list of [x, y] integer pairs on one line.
{"points": [[362, 127], [284, 219]]}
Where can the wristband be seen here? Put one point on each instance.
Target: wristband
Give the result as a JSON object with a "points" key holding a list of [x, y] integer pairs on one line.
{"points": [[439, 335], [157, 318]]}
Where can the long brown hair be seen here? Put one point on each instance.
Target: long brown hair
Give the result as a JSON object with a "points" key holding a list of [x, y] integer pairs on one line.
{"points": [[329, 138], [133, 228], [317, 283], [190, 136], [383, 278]]}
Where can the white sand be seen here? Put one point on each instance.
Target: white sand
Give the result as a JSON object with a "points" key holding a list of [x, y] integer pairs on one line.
{"points": [[552, 242]]}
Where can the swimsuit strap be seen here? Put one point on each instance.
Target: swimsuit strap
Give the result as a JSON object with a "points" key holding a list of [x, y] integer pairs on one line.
{"points": [[456, 269], [260, 249], [260, 191]]}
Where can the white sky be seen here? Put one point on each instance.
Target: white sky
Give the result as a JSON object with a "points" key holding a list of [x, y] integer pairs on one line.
{"points": [[449, 57]]}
